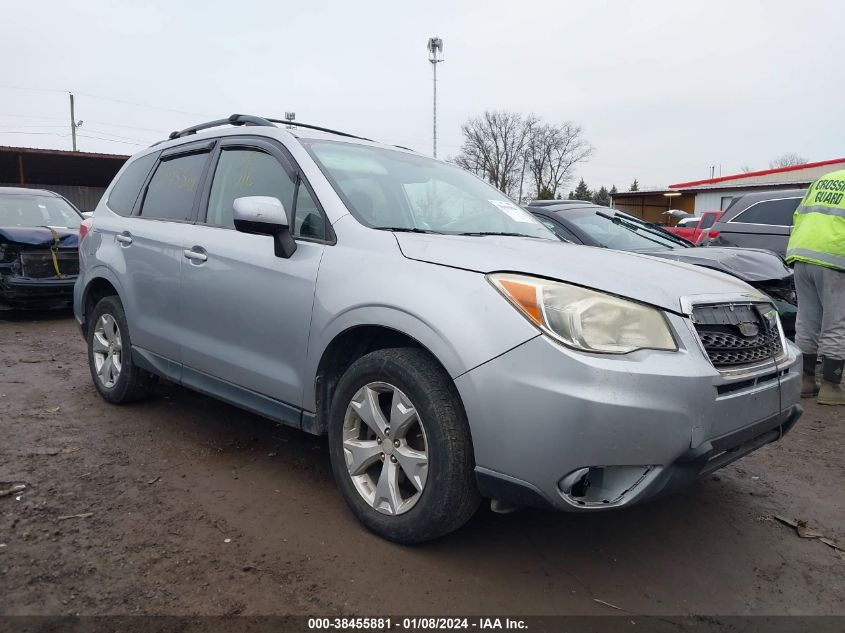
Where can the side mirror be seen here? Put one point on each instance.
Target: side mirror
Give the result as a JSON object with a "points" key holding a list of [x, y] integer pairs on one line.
{"points": [[265, 215]]}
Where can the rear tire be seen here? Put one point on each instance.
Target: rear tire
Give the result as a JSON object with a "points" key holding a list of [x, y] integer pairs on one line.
{"points": [[115, 376], [426, 459]]}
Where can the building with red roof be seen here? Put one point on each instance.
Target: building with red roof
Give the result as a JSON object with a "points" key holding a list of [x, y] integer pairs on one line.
{"points": [[711, 194]]}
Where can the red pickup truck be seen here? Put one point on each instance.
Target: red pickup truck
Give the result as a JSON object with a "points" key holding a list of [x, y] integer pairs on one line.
{"points": [[695, 229]]}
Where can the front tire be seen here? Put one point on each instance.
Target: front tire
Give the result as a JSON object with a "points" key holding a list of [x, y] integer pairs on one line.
{"points": [[116, 377], [400, 446]]}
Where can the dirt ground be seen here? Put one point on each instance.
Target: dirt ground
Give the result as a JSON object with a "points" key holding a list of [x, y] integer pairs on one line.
{"points": [[193, 507]]}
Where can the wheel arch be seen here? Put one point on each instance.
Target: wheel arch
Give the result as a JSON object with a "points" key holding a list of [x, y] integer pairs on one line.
{"points": [[101, 284], [344, 349]]}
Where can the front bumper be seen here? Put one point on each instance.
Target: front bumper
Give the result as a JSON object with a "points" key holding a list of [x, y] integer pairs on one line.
{"points": [[24, 292], [721, 451], [655, 420]]}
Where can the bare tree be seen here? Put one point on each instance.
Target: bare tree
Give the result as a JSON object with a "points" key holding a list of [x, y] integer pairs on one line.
{"points": [[787, 160], [745, 169], [551, 154], [494, 147]]}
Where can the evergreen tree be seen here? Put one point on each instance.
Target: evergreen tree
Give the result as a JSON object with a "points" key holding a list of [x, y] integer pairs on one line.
{"points": [[635, 186], [582, 192], [602, 197], [613, 190], [546, 194]]}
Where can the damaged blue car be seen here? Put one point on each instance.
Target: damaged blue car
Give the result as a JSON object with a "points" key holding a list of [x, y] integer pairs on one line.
{"points": [[39, 248]]}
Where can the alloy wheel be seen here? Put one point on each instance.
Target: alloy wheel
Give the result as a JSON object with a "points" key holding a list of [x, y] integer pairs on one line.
{"points": [[108, 351], [385, 448]]}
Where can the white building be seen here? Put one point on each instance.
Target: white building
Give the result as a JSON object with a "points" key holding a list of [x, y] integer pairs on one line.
{"points": [[714, 194]]}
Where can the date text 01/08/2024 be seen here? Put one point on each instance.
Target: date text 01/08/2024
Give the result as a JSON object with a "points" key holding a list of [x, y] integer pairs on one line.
{"points": [[415, 624]]}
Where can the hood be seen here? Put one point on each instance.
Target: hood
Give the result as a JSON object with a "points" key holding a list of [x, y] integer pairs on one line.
{"points": [[638, 277], [38, 236], [749, 264]]}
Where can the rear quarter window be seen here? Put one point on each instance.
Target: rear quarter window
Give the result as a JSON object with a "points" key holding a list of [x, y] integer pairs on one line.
{"points": [[777, 212], [125, 191]]}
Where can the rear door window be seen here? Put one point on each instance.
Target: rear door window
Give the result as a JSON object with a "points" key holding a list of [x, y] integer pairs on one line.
{"points": [[173, 187], [125, 191], [772, 212]]}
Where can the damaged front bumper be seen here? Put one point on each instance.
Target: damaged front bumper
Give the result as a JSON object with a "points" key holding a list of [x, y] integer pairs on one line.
{"points": [[38, 279], [38, 267], [581, 432], [26, 293]]}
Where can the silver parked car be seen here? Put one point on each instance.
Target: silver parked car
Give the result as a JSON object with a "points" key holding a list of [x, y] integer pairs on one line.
{"points": [[449, 345]]}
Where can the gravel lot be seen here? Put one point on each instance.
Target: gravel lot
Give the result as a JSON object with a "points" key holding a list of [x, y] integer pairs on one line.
{"points": [[194, 507]]}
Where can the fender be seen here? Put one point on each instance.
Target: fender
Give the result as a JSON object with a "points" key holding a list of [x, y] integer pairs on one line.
{"points": [[381, 316]]}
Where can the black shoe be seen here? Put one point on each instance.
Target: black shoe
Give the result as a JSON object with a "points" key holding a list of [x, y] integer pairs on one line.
{"points": [[809, 383], [832, 390]]}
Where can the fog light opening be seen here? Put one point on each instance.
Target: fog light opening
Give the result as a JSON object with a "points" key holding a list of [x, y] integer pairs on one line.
{"points": [[602, 485], [577, 484]]}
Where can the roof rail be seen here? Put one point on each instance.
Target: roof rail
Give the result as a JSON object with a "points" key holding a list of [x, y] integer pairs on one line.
{"points": [[235, 119], [248, 119], [320, 129]]}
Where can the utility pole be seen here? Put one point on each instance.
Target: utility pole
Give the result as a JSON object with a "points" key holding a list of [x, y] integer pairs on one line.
{"points": [[435, 46], [73, 122], [522, 176]]}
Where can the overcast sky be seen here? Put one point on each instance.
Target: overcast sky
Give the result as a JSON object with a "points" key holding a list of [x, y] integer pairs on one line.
{"points": [[663, 89]]}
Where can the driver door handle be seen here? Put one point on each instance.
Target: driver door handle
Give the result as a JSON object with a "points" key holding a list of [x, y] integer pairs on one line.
{"points": [[195, 256], [124, 238]]}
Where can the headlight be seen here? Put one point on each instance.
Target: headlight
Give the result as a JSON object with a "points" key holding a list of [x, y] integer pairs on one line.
{"points": [[783, 294], [585, 319]]}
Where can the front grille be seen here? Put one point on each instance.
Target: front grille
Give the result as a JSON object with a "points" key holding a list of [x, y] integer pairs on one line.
{"points": [[39, 265], [738, 334]]}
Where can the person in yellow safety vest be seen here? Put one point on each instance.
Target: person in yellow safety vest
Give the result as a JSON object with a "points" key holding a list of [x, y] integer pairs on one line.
{"points": [[817, 249]]}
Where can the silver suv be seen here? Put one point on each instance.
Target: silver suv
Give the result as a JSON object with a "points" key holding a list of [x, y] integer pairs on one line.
{"points": [[449, 345]]}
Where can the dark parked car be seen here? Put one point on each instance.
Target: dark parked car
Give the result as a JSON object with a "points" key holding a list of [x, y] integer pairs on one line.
{"points": [[594, 225], [758, 220], [39, 248]]}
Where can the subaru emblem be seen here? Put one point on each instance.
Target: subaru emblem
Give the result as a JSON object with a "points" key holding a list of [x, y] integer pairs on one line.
{"points": [[748, 329]]}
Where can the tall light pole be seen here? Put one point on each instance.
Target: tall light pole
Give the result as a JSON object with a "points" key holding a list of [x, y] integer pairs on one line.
{"points": [[435, 46]]}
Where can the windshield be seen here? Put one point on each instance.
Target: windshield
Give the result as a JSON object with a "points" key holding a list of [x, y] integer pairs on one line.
{"points": [[621, 234], [388, 189], [35, 210]]}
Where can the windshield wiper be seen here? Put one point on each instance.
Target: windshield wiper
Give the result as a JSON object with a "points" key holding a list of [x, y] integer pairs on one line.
{"points": [[505, 233], [412, 229], [631, 226], [655, 229], [406, 229]]}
